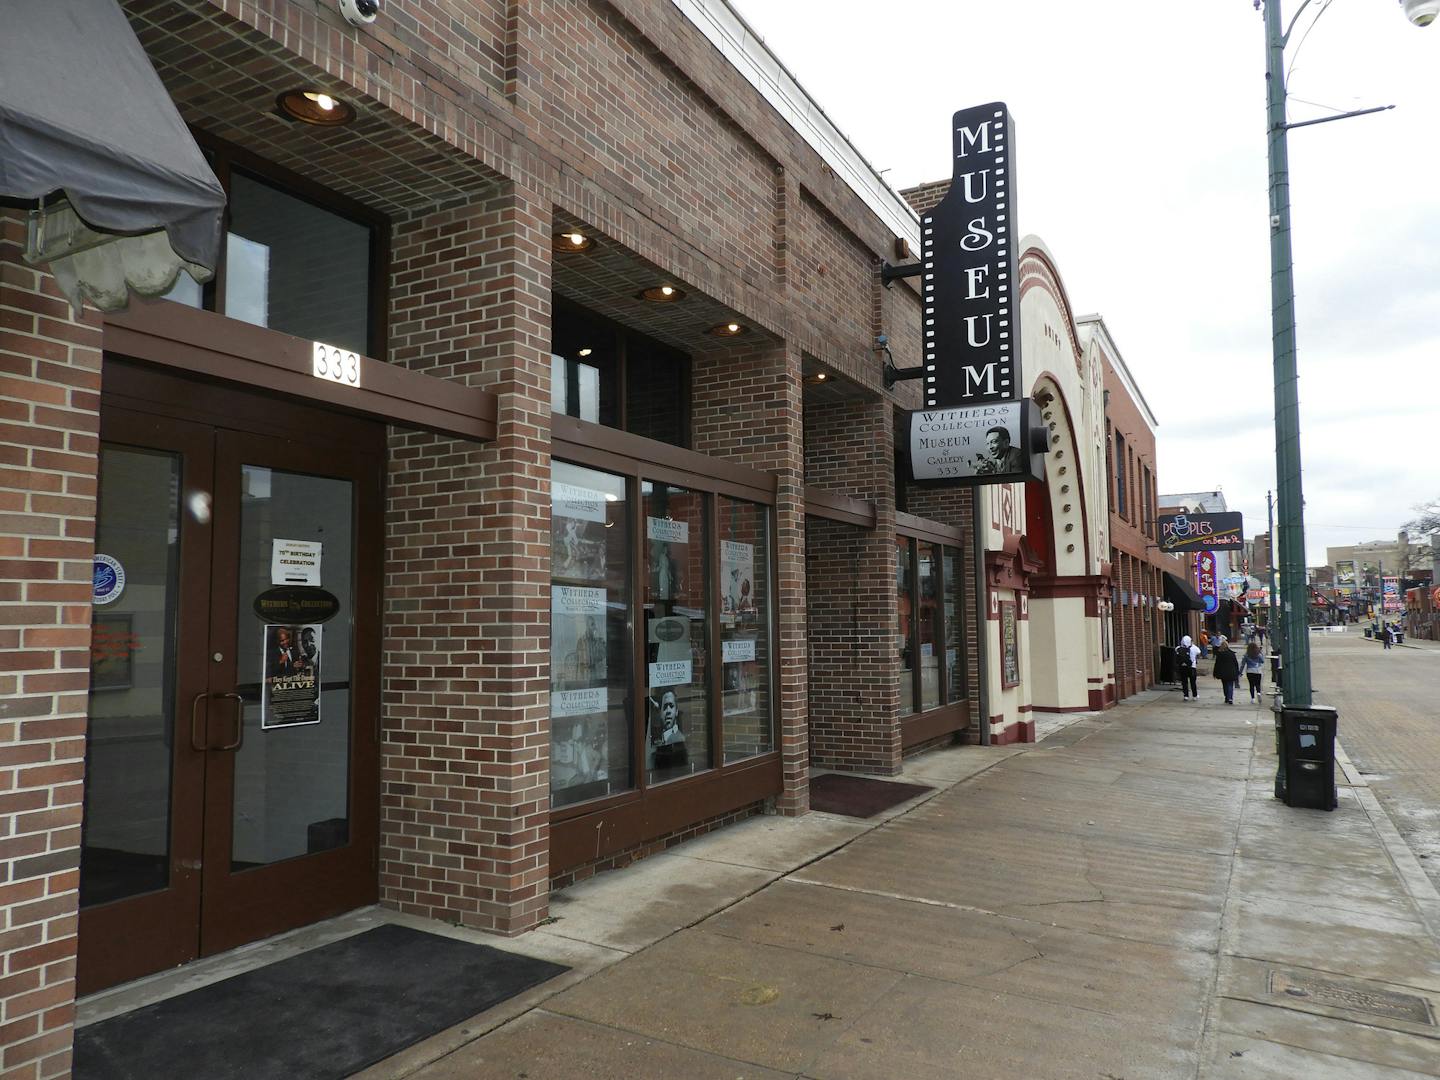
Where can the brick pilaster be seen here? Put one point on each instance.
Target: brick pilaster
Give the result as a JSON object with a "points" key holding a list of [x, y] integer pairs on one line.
{"points": [[746, 406], [465, 800], [854, 723], [49, 425]]}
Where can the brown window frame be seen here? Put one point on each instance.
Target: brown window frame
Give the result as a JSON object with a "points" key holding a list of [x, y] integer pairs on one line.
{"points": [[224, 157], [925, 724], [586, 831]]}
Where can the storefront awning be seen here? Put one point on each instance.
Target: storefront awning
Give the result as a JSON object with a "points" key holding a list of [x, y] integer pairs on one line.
{"points": [[1182, 594], [89, 136]]}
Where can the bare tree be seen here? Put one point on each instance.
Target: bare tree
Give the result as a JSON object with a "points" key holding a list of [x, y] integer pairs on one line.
{"points": [[1428, 519]]}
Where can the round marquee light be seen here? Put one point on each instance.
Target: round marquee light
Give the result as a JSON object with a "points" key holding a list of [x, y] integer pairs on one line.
{"points": [[729, 329], [311, 106], [572, 240], [662, 294]]}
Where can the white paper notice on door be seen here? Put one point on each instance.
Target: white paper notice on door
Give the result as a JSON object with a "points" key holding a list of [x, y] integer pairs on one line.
{"points": [[295, 562]]}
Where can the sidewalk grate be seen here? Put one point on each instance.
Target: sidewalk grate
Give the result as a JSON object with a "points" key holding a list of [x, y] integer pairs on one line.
{"points": [[1354, 996]]}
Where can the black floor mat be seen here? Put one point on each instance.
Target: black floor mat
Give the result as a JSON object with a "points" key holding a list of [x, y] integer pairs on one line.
{"points": [[858, 796], [322, 1015]]}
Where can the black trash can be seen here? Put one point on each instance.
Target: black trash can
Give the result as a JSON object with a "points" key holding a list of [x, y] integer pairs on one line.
{"points": [[1276, 678], [1369, 633], [1306, 776]]}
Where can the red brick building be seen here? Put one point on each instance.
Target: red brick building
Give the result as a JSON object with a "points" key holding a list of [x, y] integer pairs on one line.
{"points": [[590, 543], [1137, 568]]}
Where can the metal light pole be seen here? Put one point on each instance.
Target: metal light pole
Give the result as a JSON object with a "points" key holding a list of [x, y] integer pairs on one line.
{"points": [[1290, 549]]}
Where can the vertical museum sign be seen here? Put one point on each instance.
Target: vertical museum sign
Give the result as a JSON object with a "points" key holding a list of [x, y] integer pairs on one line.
{"points": [[968, 275], [976, 425]]}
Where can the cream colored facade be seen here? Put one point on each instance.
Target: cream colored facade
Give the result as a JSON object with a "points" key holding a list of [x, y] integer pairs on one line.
{"points": [[1047, 557]]}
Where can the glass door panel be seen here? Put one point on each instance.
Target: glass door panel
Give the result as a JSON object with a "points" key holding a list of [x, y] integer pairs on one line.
{"points": [[292, 768], [132, 676], [677, 713]]}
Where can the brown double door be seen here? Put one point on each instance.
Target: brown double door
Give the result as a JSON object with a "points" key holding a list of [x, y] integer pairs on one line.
{"points": [[231, 757]]}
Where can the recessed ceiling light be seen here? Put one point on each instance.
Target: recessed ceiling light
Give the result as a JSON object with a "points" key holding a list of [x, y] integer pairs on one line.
{"points": [[572, 240], [729, 329], [316, 107], [662, 294], [586, 352], [820, 377]]}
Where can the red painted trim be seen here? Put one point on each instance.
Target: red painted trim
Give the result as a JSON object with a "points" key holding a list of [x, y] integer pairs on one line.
{"points": [[1097, 700], [1065, 709]]}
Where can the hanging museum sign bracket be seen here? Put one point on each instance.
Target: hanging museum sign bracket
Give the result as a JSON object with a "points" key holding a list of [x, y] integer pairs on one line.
{"points": [[976, 427]]}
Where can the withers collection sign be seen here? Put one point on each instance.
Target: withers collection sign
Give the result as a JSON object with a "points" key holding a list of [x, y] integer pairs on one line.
{"points": [[971, 333], [980, 443], [976, 427], [1193, 532]]}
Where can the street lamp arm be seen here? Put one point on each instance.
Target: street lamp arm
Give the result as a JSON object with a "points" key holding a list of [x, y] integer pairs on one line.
{"points": [[1285, 37], [1339, 116]]}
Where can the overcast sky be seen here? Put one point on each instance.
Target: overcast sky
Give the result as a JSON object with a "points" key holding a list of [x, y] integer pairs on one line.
{"points": [[1140, 161]]}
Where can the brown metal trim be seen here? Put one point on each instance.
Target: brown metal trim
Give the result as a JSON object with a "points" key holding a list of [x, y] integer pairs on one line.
{"points": [[832, 506], [925, 529], [922, 727], [669, 807], [609, 448], [204, 343]]}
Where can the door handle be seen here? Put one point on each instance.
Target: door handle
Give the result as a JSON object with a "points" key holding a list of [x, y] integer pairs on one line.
{"points": [[196, 743], [239, 722]]}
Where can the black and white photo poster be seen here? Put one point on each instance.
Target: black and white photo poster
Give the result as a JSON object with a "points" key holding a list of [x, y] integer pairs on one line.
{"points": [[290, 696], [579, 693]]}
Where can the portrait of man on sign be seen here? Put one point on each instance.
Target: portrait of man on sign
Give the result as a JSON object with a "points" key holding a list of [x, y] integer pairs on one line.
{"points": [[1002, 457]]}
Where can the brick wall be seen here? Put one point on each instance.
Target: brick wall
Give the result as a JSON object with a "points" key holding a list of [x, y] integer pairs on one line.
{"points": [[49, 424], [465, 784], [746, 407], [1136, 562], [850, 574]]}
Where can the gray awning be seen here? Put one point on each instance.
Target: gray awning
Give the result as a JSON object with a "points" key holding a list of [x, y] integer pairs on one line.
{"points": [[1182, 594], [84, 116]]}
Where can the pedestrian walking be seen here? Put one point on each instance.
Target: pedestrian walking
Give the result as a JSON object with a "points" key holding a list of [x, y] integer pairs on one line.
{"points": [[1387, 636], [1186, 653], [1227, 669], [1204, 642], [1260, 631], [1253, 666]]}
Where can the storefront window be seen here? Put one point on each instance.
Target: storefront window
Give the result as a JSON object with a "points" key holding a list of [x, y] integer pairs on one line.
{"points": [[904, 580], [604, 373], [589, 640], [928, 624], [745, 628], [677, 720], [954, 625], [295, 267], [584, 367]]}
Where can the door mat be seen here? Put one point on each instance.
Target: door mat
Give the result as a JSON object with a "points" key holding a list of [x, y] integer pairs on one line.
{"points": [[858, 796], [322, 1015]]}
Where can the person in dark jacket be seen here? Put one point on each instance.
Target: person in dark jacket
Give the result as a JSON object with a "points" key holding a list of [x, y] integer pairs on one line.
{"points": [[1227, 669]]}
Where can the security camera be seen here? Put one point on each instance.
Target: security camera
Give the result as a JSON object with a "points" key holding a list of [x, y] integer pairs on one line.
{"points": [[1421, 12], [359, 12]]}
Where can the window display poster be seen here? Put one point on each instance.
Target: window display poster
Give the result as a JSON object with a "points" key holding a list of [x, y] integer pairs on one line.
{"points": [[580, 503], [577, 647], [737, 578], [664, 729], [295, 562], [579, 751], [667, 557], [1009, 645], [290, 696], [578, 549]]}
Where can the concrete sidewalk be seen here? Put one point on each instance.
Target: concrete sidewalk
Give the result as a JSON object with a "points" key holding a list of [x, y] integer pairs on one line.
{"points": [[1124, 900]]}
